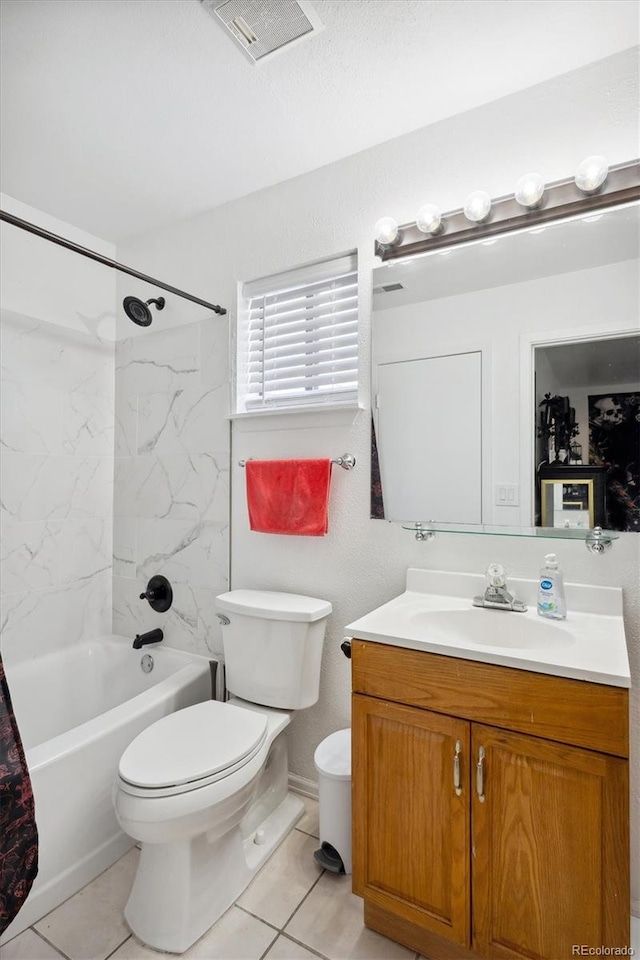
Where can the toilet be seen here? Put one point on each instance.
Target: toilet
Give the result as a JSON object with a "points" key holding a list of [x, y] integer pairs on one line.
{"points": [[205, 790]]}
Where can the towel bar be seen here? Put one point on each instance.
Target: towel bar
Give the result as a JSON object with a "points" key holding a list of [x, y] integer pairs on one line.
{"points": [[347, 461]]}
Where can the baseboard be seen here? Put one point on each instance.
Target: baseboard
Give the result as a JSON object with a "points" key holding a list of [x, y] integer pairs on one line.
{"points": [[308, 788]]}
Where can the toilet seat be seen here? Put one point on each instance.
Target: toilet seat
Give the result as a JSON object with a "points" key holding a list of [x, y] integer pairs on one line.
{"points": [[191, 748]]}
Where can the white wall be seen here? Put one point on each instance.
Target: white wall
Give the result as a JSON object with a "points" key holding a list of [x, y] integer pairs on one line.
{"points": [[56, 432], [362, 563], [47, 282]]}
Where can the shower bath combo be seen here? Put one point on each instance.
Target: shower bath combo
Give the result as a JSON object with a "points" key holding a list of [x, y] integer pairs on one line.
{"points": [[82, 723]]}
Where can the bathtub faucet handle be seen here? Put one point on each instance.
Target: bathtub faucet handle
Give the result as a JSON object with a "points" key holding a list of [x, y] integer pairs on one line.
{"points": [[153, 636], [158, 593]]}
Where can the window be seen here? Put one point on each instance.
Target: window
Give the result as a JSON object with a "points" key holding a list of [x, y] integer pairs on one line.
{"points": [[298, 339]]}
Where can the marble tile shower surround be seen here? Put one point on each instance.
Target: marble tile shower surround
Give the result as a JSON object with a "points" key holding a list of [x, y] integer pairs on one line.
{"points": [[82, 530], [56, 485], [171, 480]]}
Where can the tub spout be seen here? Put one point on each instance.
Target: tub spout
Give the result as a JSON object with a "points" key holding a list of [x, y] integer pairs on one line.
{"points": [[153, 636]]}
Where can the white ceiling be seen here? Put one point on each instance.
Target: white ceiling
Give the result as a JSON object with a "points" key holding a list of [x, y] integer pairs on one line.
{"points": [[595, 362], [120, 116]]}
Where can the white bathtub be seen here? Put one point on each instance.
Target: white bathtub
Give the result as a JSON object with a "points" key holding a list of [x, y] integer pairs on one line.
{"points": [[77, 710]]}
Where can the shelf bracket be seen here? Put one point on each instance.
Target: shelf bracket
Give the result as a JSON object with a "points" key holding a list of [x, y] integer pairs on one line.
{"points": [[424, 535], [597, 542]]}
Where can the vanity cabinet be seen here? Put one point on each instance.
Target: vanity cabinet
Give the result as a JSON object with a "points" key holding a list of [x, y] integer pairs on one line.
{"points": [[490, 806]]}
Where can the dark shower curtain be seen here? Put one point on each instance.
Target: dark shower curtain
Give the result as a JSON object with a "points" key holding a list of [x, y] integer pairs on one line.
{"points": [[18, 832]]}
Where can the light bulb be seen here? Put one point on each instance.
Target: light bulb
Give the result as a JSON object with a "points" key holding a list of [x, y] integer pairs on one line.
{"points": [[477, 206], [429, 218], [386, 231], [529, 190], [591, 174]]}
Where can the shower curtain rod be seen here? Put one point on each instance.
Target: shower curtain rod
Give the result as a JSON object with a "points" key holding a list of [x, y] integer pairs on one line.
{"points": [[92, 255]]}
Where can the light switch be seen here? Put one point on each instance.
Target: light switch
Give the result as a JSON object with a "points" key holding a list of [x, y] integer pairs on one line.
{"points": [[507, 494]]}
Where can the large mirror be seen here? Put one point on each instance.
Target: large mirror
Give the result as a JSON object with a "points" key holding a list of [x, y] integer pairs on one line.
{"points": [[506, 380]]}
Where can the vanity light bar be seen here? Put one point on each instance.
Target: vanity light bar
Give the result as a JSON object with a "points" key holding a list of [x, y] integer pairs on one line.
{"points": [[507, 214]]}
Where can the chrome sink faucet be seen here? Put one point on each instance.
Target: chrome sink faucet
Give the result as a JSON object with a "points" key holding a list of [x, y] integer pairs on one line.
{"points": [[497, 595]]}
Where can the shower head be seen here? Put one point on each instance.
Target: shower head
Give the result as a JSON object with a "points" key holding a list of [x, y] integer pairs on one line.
{"points": [[138, 310]]}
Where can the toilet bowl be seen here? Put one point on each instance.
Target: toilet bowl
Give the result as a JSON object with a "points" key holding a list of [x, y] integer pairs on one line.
{"points": [[205, 789]]}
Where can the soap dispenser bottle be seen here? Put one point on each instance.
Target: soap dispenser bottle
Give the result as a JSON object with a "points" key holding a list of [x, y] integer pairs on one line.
{"points": [[551, 601]]}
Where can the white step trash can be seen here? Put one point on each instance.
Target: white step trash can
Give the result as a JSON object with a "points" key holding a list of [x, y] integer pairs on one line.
{"points": [[332, 760]]}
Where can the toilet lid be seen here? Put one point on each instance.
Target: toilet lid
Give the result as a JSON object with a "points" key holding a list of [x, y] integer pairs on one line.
{"points": [[193, 744]]}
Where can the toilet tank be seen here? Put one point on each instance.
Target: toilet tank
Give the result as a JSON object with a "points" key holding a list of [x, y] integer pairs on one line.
{"points": [[273, 646]]}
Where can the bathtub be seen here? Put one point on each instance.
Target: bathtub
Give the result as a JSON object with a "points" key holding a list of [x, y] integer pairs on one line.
{"points": [[77, 710]]}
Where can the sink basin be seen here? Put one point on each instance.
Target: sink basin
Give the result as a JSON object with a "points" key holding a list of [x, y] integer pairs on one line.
{"points": [[493, 628], [435, 615]]}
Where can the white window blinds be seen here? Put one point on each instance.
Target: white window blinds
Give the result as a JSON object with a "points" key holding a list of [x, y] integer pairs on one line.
{"points": [[298, 338]]}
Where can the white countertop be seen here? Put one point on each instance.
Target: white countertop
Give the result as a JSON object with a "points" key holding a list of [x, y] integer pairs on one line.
{"points": [[436, 614]]}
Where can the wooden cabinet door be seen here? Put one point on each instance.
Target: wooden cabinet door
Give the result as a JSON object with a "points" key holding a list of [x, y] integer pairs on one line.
{"points": [[550, 848], [411, 826]]}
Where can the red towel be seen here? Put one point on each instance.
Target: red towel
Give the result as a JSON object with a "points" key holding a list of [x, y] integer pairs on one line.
{"points": [[288, 496]]}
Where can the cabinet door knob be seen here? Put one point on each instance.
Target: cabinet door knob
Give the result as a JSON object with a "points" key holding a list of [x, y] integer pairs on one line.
{"points": [[456, 769], [480, 775]]}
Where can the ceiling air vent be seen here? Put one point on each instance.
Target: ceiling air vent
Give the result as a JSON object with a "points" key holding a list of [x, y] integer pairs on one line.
{"points": [[388, 288], [263, 27]]}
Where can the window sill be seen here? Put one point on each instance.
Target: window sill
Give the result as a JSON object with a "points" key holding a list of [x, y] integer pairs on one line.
{"points": [[338, 415], [289, 411]]}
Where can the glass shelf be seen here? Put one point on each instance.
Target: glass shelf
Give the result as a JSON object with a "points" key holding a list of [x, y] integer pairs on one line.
{"points": [[549, 533]]}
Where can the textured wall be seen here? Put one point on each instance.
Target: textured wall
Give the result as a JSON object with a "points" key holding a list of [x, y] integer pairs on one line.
{"points": [[46, 282], [362, 563]]}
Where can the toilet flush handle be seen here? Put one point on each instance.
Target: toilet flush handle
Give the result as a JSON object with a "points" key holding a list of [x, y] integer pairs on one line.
{"points": [[224, 621]]}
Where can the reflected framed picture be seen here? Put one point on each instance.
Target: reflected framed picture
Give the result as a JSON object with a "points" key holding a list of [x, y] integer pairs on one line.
{"points": [[572, 497]]}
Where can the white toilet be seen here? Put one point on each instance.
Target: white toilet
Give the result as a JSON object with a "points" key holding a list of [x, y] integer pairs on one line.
{"points": [[205, 789]]}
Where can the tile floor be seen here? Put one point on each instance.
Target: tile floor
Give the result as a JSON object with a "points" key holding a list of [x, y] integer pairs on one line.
{"points": [[292, 910]]}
